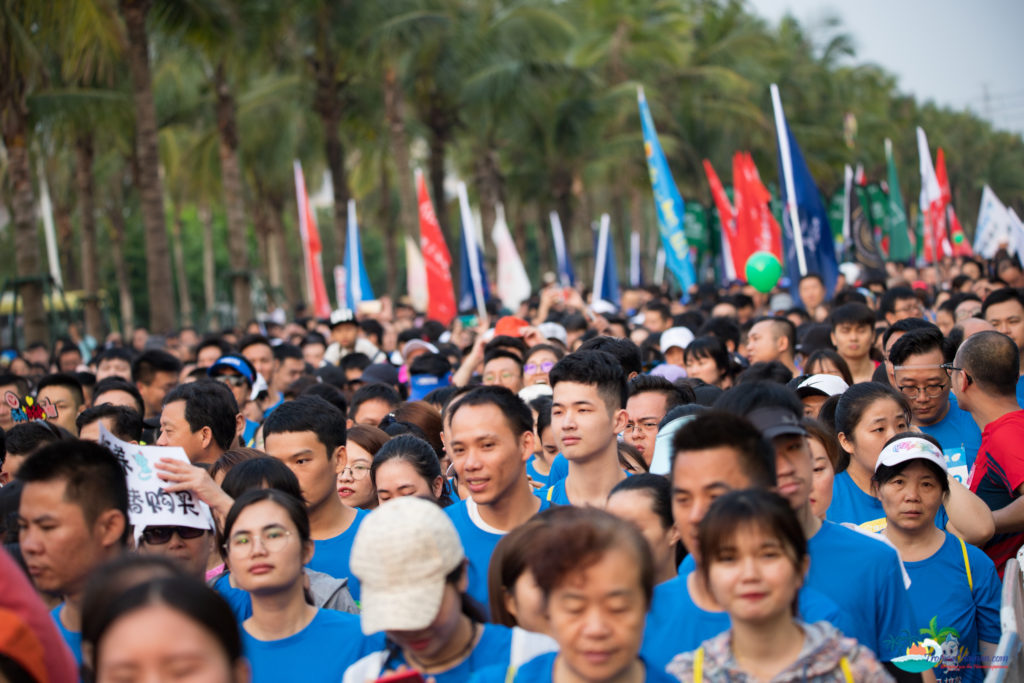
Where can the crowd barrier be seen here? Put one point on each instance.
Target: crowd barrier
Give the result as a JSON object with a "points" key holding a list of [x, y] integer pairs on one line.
{"points": [[1008, 663]]}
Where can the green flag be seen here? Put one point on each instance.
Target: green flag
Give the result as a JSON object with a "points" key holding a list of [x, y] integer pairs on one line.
{"points": [[878, 212], [899, 239], [695, 226]]}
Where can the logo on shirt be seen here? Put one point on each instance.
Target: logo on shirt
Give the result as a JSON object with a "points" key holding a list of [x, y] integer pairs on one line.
{"points": [[920, 656], [939, 646]]}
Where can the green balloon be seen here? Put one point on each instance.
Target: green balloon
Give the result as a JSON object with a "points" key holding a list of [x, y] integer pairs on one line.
{"points": [[763, 271]]}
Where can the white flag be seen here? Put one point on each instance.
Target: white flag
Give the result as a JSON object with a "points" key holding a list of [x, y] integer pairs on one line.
{"points": [[513, 282], [415, 275], [993, 225], [1016, 233]]}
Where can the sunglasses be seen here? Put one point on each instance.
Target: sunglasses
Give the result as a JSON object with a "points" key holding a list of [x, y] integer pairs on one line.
{"points": [[159, 535], [233, 380]]}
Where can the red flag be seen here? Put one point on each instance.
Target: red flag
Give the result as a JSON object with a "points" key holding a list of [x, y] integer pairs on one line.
{"points": [[436, 258], [727, 219], [316, 290], [957, 239], [767, 235]]}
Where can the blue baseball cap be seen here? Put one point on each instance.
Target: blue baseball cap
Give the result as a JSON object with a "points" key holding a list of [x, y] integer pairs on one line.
{"points": [[421, 385], [237, 363]]}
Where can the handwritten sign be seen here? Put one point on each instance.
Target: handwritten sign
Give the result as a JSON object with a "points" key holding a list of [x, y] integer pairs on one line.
{"points": [[148, 503], [28, 409]]}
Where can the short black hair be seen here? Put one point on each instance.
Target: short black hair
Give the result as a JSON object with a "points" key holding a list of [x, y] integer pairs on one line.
{"points": [[516, 412], [502, 353], [766, 371], [314, 338], [674, 396], [118, 384], [595, 368], [285, 351], [813, 276], [887, 304], [148, 363], [95, 479], [434, 364], [624, 350], [906, 325], [66, 380], [504, 341], [329, 393], [252, 340], [722, 327], [216, 341], [126, 425], [114, 353], [370, 392], [7, 379], [261, 472], [917, 342], [854, 313], [355, 360], [781, 327], [1000, 296], [749, 397], [717, 429], [309, 414], [25, 438], [992, 360], [208, 404]]}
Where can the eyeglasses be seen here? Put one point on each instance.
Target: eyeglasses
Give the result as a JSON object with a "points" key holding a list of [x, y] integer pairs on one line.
{"points": [[273, 540], [531, 368], [950, 368], [491, 377], [356, 471], [930, 390], [910, 308], [160, 535], [233, 380], [644, 426]]}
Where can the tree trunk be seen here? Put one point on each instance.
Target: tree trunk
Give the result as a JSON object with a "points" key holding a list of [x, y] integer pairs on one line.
{"points": [[393, 105], [231, 178], [327, 103], [281, 275], [26, 235], [388, 222], [209, 274], [125, 301], [184, 300], [84, 154], [545, 260], [435, 164], [158, 258], [65, 229]]}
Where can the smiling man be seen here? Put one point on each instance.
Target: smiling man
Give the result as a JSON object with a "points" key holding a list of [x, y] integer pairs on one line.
{"points": [[73, 517], [489, 437], [917, 359]]}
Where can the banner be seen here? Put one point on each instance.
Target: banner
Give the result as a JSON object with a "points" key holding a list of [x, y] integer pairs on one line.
{"points": [[474, 292], [513, 282], [566, 276], [936, 244], [993, 228], [316, 289], [148, 503], [896, 214], [753, 211], [606, 276], [732, 251], [862, 231], [437, 261], [668, 202], [807, 236], [957, 238]]}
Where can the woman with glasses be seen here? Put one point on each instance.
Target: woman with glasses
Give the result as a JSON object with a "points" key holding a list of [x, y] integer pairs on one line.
{"points": [[354, 484], [538, 363], [266, 543], [869, 414]]}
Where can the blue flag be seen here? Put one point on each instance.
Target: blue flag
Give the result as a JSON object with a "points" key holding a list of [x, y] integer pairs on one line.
{"points": [[566, 276], [474, 292], [606, 274], [800, 194], [668, 202], [357, 281]]}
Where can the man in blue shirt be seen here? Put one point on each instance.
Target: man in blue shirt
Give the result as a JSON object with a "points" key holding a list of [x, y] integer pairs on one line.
{"points": [[916, 360], [587, 414], [73, 517], [489, 437], [308, 435]]}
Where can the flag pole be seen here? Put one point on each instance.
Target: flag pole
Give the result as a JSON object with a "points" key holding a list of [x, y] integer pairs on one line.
{"points": [[787, 172], [469, 230]]}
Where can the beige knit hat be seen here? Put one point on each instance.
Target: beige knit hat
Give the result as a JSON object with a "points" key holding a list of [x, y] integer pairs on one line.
{"points": [[402, 554]]}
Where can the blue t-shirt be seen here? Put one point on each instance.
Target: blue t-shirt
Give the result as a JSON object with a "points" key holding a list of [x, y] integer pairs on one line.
{"points": [[331, 554], [850, 505], [479, 545], [72, 638], [322, 651], [238, 600], [676, 624], [536, 476], [268, 411], [952, 612], [554, 494], [492, 650], [249, 433], [862, 575], [559, 469], [539, 670], [960, 438]]}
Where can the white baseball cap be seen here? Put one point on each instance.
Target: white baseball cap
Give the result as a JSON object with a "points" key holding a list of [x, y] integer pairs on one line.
{"points": [[675, 336], [910, 448], [402, 554], [829, 385]]}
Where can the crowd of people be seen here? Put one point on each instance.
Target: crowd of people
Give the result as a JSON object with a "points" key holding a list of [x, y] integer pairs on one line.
{"points": [[818, 486]]}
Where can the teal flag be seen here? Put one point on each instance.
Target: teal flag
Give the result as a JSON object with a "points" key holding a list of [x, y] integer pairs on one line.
{"points": [[668, 202], [899, 239]]}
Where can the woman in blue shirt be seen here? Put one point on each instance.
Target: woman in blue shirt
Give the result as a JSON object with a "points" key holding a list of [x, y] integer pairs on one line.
{"points": [[954, 587], [267, 544], [413, 573]]}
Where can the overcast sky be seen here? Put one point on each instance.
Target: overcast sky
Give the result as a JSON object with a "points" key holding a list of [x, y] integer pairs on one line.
{"points": [[948, 51]]}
